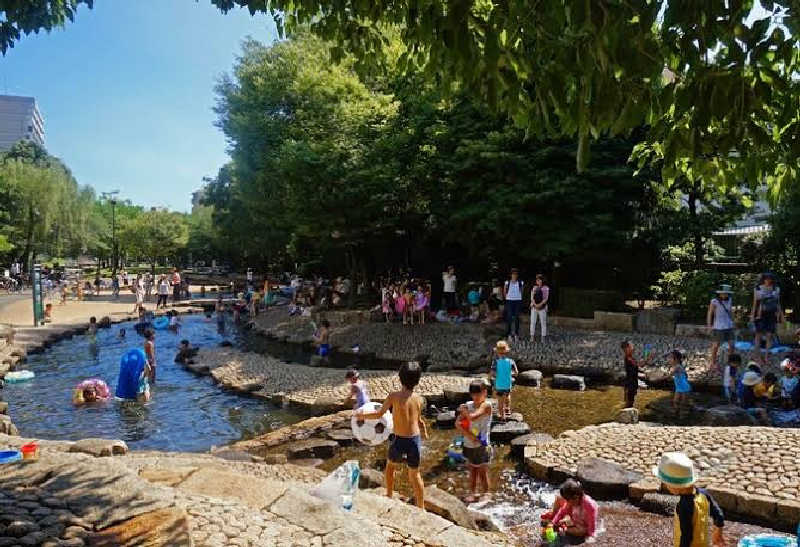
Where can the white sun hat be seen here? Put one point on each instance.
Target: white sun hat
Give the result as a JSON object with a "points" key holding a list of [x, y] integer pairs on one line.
{"points": [[675, 469]]}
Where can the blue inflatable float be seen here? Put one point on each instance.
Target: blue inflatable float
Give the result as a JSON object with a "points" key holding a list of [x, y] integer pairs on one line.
{"points": [[130, 369], [10, 456], [161, 322], [743, 346], [767, 540]]}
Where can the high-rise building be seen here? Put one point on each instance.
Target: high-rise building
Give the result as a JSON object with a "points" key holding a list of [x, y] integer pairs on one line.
{"points": [[19, 120]]}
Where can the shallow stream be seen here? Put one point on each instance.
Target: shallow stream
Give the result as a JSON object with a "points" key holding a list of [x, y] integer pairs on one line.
{"points": [[186, 413]]}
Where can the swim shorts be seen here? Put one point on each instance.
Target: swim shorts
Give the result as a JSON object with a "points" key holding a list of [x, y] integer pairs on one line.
{"points": [[480, 455], [723, 335], [324, 349], [502, 392], [408, 448]]}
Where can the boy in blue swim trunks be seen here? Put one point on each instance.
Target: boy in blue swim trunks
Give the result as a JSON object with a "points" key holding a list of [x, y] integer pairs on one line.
{"points": [[321, 339], [406, 407]]}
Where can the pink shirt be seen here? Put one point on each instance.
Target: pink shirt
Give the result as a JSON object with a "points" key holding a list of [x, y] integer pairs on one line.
{"points": [[585, 514]]}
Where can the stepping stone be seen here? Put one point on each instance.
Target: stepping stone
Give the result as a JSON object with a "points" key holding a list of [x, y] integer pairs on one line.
{"points": [[235, 456], [446, 420], [606, 480], [565, 381], [530, 378], [628, 416], [312, 448], [518, 444], [342, 436], [457, 395], [100, 447], [505, 432]]}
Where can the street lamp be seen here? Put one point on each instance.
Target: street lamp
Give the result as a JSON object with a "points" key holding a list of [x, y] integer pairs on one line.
{"points": [[106, 196]]}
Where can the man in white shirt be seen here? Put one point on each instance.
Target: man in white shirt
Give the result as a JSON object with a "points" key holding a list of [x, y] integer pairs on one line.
{"points": [[449, 289]]}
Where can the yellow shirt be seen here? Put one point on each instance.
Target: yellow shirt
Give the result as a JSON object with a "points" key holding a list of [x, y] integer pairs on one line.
{"points": [[762, 390]]}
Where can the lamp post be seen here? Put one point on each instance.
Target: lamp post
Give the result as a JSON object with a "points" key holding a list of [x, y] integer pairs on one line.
{"points": [[113, 201]]}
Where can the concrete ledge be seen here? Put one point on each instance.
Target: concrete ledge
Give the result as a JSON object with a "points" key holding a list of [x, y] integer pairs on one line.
{"points": [[607, 320]]}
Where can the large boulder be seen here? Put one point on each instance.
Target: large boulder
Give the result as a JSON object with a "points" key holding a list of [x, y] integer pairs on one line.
{"points": [[530, 378], [448, 506], [456, 395], [312, 448], [566, 381], [606, 480], [518, 444], [371, 478], [504, 432], [7, 427], [727, 416]]}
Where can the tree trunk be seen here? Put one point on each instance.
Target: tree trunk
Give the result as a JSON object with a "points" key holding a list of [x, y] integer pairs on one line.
{"points": [[25, 259], [696, 230]]}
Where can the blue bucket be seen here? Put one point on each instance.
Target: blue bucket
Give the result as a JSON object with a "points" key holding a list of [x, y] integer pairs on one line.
{"points": [[10, 456]]}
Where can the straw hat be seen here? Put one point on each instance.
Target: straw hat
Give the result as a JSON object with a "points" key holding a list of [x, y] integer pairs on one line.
{"points": [[724, 289], [502, 347], [675, 469], [751, 378]]}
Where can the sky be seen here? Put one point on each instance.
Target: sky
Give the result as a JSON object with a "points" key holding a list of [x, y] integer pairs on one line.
{"points": [[127, 90]]}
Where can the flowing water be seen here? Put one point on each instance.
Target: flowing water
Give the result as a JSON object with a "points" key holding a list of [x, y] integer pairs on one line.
{"points": [[186, 412]]}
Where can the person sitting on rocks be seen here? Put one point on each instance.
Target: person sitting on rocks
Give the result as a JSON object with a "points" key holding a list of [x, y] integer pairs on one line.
{"points": [[766, 391], [696, 511], [574, 513], [358, 390], [750, 379]]}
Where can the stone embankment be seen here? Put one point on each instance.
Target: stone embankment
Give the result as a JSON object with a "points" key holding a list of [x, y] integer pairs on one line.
{"points": [[319, 389], [752, 471], [171, 499], [467, 346]]}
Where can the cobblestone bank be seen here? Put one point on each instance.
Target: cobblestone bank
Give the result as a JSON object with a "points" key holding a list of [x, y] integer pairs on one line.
{"points": [[753, 471], [312, 387]]}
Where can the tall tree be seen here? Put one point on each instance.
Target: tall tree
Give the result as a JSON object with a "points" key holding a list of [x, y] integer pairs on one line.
{"points": [[155, 234], [25, 16]]}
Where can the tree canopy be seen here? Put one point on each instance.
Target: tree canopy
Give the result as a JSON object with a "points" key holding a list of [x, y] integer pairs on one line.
{"points": [[25, 16], [717, 88]]}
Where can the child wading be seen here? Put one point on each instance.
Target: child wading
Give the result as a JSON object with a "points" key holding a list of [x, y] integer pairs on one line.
{"points": [[475, 422], [697, 511], [406, 407], [358, 390], [680, 401], [150, 352], [503, 370], [632, 367]]}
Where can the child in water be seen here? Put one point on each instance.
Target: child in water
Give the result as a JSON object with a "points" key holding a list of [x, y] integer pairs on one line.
{"points": [[683, 388], [358, 390], [150, 352], [475, 423], [321, 339], [696, 508], [574, 513], [121, 334], [503, 371], [406, 407], [143, 392]]}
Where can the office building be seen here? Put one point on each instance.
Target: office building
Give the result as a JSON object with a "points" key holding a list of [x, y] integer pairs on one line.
{"points": [[19, 120]]}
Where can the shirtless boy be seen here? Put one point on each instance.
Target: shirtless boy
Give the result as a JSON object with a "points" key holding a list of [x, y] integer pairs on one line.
{"points": [[406, 407]]}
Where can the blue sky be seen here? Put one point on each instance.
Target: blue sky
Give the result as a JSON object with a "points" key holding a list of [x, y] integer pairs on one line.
{"points": [[126, 92]]}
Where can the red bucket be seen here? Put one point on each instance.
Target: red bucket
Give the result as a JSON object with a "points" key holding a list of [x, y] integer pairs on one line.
{"points": [[30, 451]]}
